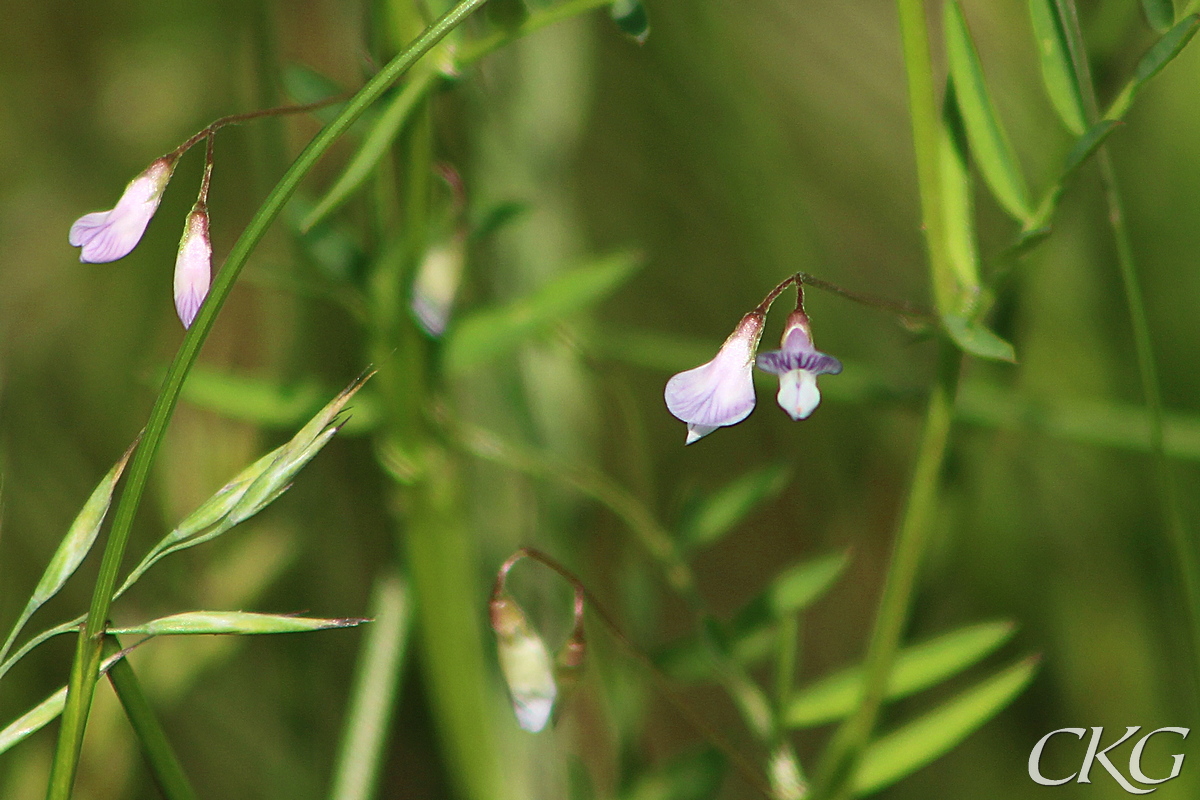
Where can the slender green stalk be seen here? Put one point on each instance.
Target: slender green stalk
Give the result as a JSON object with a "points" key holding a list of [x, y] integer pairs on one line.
{"points": [[841, 757], [87, 656], [156, 748], [926, 129], [1182, 548]]}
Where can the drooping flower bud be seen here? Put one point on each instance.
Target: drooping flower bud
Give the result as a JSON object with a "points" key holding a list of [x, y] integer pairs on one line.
{"points": [[193, 265], [798, 364], [108, 235], [720, 392], [525, 663], [437, 283]]}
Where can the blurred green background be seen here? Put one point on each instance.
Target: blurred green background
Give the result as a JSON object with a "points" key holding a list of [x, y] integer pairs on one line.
{"points": [[745, 140]]}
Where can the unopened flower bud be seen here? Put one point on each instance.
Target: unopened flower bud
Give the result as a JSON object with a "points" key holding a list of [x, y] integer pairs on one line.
{"points": [[525, 663], [193, 266], [108, 235]]}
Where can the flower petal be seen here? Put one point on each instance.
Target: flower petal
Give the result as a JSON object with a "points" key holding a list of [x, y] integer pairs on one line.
{"points": [[109, 235], [798, 393]]}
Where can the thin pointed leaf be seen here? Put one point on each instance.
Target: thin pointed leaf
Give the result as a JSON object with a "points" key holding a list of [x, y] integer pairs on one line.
{"points": [[33, 720], [489, 333], [1159, 13], [989, 143], [1158, 56], [44, 712], [974, 338], [374, 147], [923, 740], [73, 548], [631, 17], [231, 622], [720, 512], [917, 667], [1058, 74]]}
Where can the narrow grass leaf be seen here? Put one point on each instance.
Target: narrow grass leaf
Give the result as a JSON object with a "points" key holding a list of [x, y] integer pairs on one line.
{"points": [[720, 512], [1159, 13], [492, 332], [631, 17], [375, 146], [73, 548], [44, 712], [1058, 73], [1158, 56], [977, 340], [920, 742], [958, 208], [917, 667], [989, 143], [33, 720], [231, 622]]}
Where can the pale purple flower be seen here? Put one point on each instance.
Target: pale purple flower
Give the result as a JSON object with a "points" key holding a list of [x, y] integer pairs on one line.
{"points": [[798, 364], [193, 265], [720, 392], [109, 235]]}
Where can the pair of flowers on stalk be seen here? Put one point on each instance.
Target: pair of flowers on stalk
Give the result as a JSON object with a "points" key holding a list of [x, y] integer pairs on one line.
{"points": [[105, 236], [721, 392]]}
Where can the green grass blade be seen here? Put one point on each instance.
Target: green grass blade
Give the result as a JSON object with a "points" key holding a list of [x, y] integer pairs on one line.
{"points": [[33, 720], [1058, 74], [917, 667], [373, 699], [72, 550], [231, 622], [958, 208], [989, 143], [916, 744], [1158, 56], [375, 146], [721, 511], [489, 333]]}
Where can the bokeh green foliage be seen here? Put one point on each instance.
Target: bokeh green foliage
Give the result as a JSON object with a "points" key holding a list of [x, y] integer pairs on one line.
{"points": [[740, 143]]}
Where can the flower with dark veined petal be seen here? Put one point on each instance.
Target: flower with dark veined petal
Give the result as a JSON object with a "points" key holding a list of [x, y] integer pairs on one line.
{"points": [[798, 364], [720, 392], [109, 235], [193, 265]]}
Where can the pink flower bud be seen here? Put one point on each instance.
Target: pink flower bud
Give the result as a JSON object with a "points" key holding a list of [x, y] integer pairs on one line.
{"points": [[108, 235], [720, 392], [193, 266]]}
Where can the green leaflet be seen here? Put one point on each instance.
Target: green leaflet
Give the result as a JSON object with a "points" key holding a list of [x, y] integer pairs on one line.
{"points": [[989, 143], [1159, 13], [958, 209], [917, 667], [1157, 57], [974, 338], [904, 751], [631, 17], [488, 333], [1058, 74], [721, 511]]}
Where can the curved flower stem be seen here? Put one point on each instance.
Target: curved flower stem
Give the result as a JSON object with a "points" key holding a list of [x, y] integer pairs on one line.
{"points": [[84, 670], [1183, 550], [841, 757], [582, 594]]}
